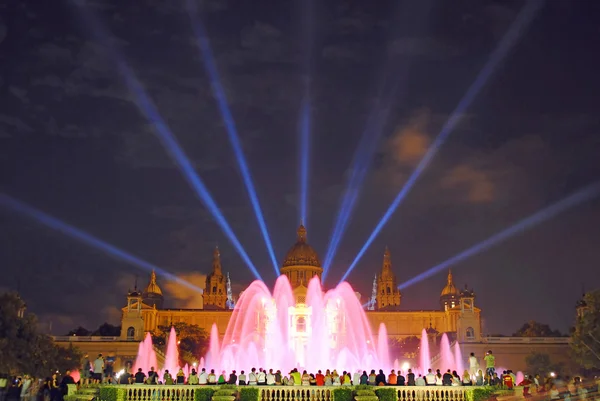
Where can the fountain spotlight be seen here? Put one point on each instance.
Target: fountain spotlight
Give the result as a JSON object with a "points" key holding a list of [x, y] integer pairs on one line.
{"points": [[209, 63], [522, 20], [81, 236], [167, 139], [541, 216]]}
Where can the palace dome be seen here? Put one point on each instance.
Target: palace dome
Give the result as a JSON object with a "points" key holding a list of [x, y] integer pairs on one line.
{"points": [[450, 288], [301, 254], [152, 287]]}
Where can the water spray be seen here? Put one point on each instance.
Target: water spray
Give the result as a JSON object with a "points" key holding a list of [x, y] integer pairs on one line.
{"points": [[522, 20], [209, 63], [88, 239], [539, 217]]}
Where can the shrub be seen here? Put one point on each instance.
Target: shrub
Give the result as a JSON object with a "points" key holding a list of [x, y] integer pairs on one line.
{"points": [[111, 393], [363, 387], [386, 394], [220, 393], [479, 393], [202, 394], [341, 394], [248, 394], [364, 392], [228, 387]]}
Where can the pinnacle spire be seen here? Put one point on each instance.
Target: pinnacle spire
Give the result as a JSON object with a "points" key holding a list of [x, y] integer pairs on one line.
{"points": [[301, 233], [216, 260], [450, 280]]}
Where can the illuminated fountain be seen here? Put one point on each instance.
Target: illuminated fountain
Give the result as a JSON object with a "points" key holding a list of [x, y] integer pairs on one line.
{"points": [[146, 357], [172, 355], [446, 357], [308, 329], [424, 356]]}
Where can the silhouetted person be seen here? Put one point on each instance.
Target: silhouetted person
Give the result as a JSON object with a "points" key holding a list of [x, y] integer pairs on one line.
{"points": [[380, 378]]}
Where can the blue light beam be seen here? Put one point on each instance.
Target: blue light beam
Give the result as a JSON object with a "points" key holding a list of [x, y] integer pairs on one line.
{"points": [[539, 217], [360, 168], [394, 82], [305, 111], [83, 237], [304, 157], [219, 93], [506, 43], [169, 142]]}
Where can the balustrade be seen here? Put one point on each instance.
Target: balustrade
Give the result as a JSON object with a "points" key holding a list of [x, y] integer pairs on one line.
{"points": [[143, 392]]}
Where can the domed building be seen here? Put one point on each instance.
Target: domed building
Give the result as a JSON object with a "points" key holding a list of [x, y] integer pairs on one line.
{"points": [[301, 262], [458, 316]]}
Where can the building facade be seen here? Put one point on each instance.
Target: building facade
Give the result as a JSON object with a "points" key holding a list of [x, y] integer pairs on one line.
{"points": [[144, 311]]}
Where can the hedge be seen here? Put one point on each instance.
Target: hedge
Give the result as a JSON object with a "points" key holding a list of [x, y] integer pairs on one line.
{"points": [[111, 393], [479, 393], [248, 393], [342, 394], [203, 393], [386, 394]]}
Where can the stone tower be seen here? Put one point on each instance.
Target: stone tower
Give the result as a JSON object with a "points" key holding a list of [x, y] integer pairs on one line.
{"points": [[215, 293], [388, 294], [449, 296], [468, 325], [132, 321]]}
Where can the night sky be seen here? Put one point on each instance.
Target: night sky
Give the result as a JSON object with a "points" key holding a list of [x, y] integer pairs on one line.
{"points": [[74, 144]]}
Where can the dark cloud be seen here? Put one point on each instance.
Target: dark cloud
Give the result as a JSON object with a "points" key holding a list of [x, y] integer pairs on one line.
{"points": [[75, 143]]}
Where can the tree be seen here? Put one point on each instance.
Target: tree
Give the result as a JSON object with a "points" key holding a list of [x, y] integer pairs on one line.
{"points": [[540, 363], [79, 331], [23, 349], [536, 329], [107, 330], [193, 341], [585, 341]]}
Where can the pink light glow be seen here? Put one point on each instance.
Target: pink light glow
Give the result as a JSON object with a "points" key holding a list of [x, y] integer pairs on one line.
{"points": [[424, 356], [172, 355], [324, 330], [447, 359], [146, 357], [458, 360]]}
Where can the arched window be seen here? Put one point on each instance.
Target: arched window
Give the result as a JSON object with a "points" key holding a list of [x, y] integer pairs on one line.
{"points": [[389, 291], [300, 325], [130, 332], [470, 333], [214, 289]]}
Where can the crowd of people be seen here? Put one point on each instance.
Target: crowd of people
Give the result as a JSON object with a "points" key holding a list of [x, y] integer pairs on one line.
{"points": [[552, 387], [29, 388]]}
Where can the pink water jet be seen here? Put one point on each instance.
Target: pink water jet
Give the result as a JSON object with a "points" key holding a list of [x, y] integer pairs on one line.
{"points": [[424, 356], [520, 377], [172, 355], [284, 330], [446, 357], [146, 357], [459, 365], [383, 350]]}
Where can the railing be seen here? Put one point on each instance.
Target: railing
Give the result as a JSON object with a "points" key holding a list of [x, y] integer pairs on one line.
{"points": [[87, 338], [143, 392], [527, 340]]}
